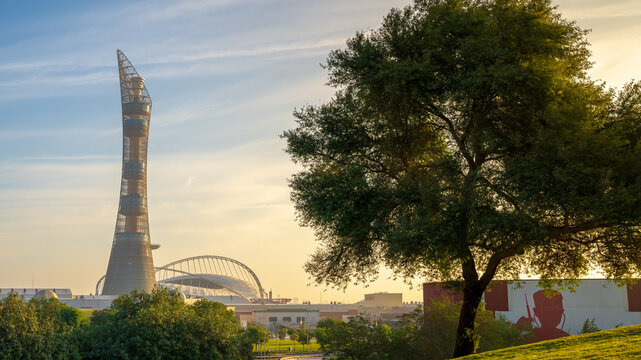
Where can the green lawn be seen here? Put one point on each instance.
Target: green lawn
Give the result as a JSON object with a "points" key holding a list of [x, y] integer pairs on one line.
{"points": [[85, 314], [621, 343], [281, 346]]}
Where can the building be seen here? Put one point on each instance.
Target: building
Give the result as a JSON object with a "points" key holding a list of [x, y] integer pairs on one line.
{"points": [[29, 293], [211, 277], [378, 307], [385, 307], [552, 314], [338, 311], [279, 316], [383, 299], [131, 264]]}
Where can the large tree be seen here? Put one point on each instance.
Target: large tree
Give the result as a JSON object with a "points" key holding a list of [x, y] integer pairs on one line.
{"points": [[466, 142], [160, 325]]}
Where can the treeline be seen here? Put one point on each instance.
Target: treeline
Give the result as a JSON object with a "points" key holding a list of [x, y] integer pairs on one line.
{"points": [[159, 325], [156, 325], [415, 336]]}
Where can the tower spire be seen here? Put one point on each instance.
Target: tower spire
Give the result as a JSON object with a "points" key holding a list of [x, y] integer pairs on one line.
{"points": [[131, 264]]}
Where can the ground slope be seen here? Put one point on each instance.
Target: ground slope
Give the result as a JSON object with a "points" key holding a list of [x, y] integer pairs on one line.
{"points": [[620, 343]]}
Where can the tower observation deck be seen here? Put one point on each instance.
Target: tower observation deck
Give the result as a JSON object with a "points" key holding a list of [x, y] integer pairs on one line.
{"points": [[131, 263]]}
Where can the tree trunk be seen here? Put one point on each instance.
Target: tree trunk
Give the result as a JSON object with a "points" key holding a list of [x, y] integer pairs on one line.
{"points": [[472, 294]]}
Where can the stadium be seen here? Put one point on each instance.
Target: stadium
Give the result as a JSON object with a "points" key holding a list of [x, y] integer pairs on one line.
{"points": [[211, 277]]}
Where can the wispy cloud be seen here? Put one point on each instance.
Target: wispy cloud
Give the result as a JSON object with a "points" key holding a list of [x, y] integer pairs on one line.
{"points": [[177, 65], [224, 76], [598, 9], [171, 10], [255, 51]]}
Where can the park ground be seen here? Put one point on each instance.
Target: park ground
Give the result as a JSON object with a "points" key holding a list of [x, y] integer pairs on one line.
{"points": [[85, 314], [620, 343], [283, 346]]}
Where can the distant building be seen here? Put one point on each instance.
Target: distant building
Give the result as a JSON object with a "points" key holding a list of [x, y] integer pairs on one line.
{"points": [[339, 314], [29, 293], [95, 302], [375, 307], [131, 265], [286, 316], [383, 299], [385, 307]]}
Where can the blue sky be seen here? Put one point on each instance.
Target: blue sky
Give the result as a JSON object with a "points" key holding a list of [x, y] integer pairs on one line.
{"points": [[224, 77]]}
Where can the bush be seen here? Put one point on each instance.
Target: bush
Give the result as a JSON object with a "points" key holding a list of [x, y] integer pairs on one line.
{"points": [[429, 336], [257, 334], [491, 333], [356, 339], [304, 335], [497, 333], [589, 326], [282, 333]]}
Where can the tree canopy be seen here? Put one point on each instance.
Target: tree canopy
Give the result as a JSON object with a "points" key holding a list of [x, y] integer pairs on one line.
{"points": [[156, 325], [465, 141], [38, 329], [159, 325], [413, 336], [257, 334]]}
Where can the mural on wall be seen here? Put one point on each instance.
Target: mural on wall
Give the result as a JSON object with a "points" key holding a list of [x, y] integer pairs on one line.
{"points": [[540, 317], [548, 316]]}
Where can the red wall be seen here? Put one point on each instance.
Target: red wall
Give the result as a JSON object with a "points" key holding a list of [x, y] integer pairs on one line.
{"points": [[634, 296], [495, 298], [434, 291]]}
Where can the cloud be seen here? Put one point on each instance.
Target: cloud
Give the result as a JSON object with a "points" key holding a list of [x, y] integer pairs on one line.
{"points": [[170, 39], [14, 134], [170, 10], [224, 76], [251, 52], [190, 196], [236, 204], [598, 9]]}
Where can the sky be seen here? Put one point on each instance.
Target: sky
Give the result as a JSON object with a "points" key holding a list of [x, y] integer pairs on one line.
{"points": [[224, 76]]}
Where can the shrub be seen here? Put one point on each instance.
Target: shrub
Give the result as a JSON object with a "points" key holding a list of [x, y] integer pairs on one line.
{"points": [[441, 320], [589, 326]]}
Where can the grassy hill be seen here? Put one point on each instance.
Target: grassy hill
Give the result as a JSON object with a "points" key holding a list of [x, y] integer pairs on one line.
{"points": [[621, 343]]}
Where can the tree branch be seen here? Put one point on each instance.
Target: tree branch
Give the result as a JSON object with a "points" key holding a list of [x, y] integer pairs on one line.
{"points": [[452, 129], [494, 262]]}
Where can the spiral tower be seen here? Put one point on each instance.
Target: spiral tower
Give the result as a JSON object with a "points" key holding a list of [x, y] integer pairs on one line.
{"points": [[131, 263]]}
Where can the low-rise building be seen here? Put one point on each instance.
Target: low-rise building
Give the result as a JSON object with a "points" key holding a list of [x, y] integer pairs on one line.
{"points": [[551, 314], [278, 316], [28, 293]]}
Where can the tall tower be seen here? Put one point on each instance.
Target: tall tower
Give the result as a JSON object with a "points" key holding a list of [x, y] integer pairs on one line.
{"points": [[131, 264]]}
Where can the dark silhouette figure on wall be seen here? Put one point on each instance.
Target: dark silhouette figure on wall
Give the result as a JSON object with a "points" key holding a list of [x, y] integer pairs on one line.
{"points": [[548, 309]]}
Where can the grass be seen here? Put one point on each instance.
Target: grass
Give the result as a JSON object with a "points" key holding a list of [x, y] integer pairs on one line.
{"points": [[621, 343], [282, 346], [85, 314]]}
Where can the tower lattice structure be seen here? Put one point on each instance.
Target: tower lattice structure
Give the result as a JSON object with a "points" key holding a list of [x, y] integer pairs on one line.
{"points": [[131, 263]]}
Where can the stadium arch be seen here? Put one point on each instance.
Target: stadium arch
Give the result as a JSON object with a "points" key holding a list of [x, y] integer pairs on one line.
{"points": [[212, 277]]}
